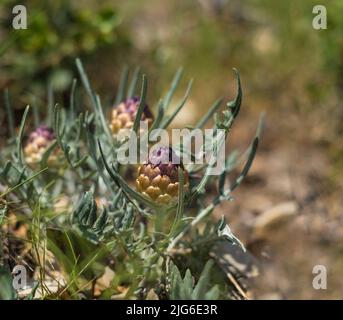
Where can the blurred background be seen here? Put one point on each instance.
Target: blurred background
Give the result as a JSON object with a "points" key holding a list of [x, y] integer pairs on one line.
{"points": [[289, 210]]}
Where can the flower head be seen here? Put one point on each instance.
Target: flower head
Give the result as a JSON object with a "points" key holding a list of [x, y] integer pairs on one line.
{"points": [[158, 178], [123, 115], [38, 142]]}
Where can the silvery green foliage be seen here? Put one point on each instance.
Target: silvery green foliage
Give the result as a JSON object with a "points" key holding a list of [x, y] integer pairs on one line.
{"points": [[85, 218], [98, 226], [185, 288], [126, 226]]}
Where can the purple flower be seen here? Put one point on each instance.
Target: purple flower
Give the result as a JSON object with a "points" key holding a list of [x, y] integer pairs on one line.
{"points": [[44, 132], [38, 142], [158, 178], [124, 114]]}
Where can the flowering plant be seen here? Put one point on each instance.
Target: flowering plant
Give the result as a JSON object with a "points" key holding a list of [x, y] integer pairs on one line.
{"points": [[98, 227]]}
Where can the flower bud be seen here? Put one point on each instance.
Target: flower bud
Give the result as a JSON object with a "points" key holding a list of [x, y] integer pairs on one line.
{"points": [[37, 144], [123, 116], [158, 178]]}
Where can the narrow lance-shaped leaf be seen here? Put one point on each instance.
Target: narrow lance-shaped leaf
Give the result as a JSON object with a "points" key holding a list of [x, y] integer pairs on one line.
{"points": [[183, 289], [81, 126], [210, 113], [164, 103], [58, 130], [100, 223], [166, 123], [20, 135], [258, 135], [122, 184], [85, 213], [243, 174], [91, 143], [231, 112], [11, 189], [6, 168], [203, 282], [260, 126], [51, 104], [141, 104], [95, 100], [133, 84], [247, 165], [47, 153], [219, 140], [235, 105], [72, 99], [122, 85], [103, 122], [159, 117], [172, 89], [85, 80], [35, 110], [188, 283], [229, 165]]}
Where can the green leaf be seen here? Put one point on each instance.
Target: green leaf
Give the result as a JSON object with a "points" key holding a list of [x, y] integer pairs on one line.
{"points": [[213, 294], [47, 154], [86, 221], [166, 122], [247, 165], [95, 100], [160, 115], [133, 84], [100, 223], [203, 282], [35, 110], [172, 89], [176, 282], [231, 112], [235, 104], [85, 80], [183, 289], [86, 212], [121, 183], [122, 85], [102, 119], [20, 135], [72, 98], [230, 163], [141, 104], [11, 189], [188, 283], [51, 104], [209, 113], [164, 103]]}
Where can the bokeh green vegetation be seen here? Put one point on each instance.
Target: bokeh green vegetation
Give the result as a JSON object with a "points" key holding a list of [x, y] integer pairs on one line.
{"points": [[58, 31], [273, 44], [288, 68]]}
